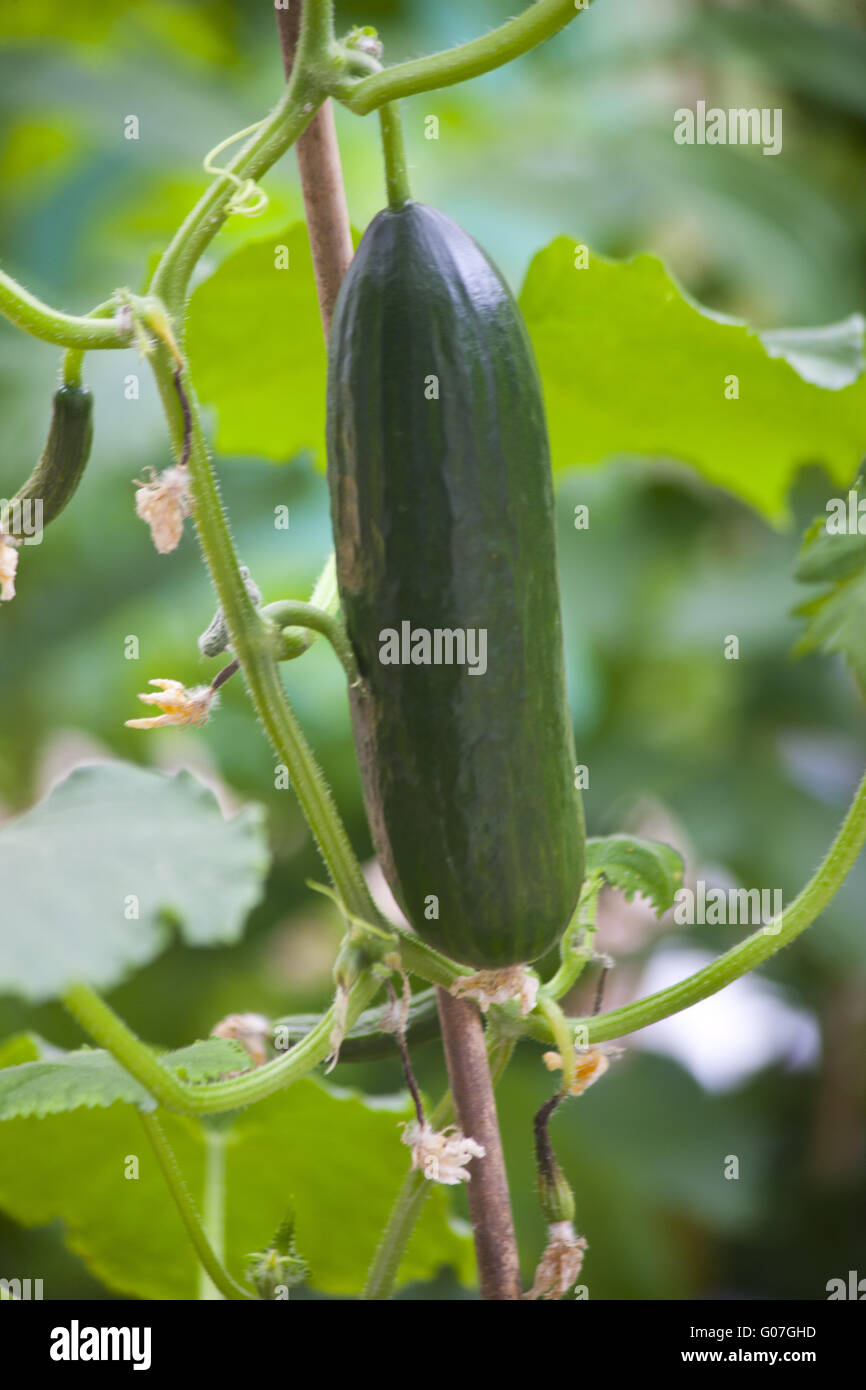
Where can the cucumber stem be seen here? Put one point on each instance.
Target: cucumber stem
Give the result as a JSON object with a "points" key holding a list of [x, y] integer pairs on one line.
{"points": [[539, 21], [211, 1264], [321, 173], [290, 614], [394, 148], [475, 1108]]}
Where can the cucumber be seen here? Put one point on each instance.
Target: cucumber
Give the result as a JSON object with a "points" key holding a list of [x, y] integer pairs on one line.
{"points": [[442, 506], [57, 474]]}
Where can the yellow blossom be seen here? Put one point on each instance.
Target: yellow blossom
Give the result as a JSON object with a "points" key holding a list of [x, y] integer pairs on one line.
{"points": [[180, 706], [590, 1064]]}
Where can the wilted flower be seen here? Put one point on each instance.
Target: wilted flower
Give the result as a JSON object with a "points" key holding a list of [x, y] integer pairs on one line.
{"points": [[488, 987], [441, 1155], [164, 503], [560, 1265], [252, 1031], [181, 706], [8, 567], [590, 1064]]}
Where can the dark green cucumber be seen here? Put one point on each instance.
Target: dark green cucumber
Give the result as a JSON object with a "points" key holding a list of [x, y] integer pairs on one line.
{"points": [[64, 458], [442, 504]]}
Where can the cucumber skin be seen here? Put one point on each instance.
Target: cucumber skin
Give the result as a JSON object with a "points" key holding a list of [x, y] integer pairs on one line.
{"points": [[56, 476], [443, 516]]}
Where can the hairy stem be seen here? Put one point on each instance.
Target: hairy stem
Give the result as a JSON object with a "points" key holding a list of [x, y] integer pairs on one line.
{"points": [[366, 1042], [559, 1027], [66, 330], [106, 1028], [290, 613], [576, 946], [763, 943], [537, 23], [303, 97], [251, 643], [170, 1169]]}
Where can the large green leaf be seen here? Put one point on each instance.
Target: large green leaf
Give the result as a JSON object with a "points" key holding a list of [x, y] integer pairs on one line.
{"points": [[337, 1161], [256, 349], [94, 875], [631, 366]]}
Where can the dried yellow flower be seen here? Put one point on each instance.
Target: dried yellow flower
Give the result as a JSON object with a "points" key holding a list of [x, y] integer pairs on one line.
{"points": [[488, 987], [590, 1064], [441, 1155], [180, 706], [560, 1265], [252, 1031], [164, 503]]}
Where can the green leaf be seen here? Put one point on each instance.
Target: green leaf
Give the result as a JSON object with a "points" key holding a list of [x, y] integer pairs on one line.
{"points": [[635, 865], [837, 617], [191, 29], [256, 349], [837, 623], [50, 1082], [831, 356], [336, 1159], [93, 876], [631, 366]]}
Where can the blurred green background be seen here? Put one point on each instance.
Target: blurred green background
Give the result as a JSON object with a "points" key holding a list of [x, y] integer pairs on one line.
{"points": [[747, 764]]}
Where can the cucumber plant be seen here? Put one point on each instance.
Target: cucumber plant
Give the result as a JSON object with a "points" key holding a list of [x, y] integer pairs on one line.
{"points": [[441, 603]]}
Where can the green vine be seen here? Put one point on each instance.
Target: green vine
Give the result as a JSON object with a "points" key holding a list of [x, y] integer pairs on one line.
{"points": [[537, 23], [168, 1165]]}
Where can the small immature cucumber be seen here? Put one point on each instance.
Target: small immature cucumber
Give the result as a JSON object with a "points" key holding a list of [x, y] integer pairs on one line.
{"points": [[64, 458], [442, 504]]}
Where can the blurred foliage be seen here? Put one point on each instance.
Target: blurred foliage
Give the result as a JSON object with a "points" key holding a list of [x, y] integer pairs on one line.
{"points": [[754, 758], [834, 553], [95, 1171], [103, 832]]}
